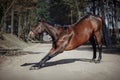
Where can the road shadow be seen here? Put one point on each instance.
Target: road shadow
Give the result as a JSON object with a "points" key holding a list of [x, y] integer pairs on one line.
{"points": [[84, 48], [113, 50], [59, 62], [18, 53], [30, 52]]}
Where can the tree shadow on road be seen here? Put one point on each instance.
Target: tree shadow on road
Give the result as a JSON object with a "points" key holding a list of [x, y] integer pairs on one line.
{"points": [[18, 53], [113, 50], [59, 62]]}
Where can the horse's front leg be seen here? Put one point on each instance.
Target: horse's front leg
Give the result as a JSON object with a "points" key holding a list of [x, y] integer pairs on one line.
{"points": [[61, 43], [59, 47], [40, 64], [53, 52]]}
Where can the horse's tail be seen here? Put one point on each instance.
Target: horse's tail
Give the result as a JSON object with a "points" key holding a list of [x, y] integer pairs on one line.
{"points": [[106, 35]]}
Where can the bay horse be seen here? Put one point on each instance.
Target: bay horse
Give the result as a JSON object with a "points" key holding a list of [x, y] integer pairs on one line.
{"points": [[88, 28]]}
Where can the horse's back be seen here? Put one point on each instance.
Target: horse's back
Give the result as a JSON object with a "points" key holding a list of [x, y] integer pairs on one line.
{"points": [[96, 22], [90, 22], [83, 30]]}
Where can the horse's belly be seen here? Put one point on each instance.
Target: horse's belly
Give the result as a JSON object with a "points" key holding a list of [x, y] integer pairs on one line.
{"points": [[71, 47]]}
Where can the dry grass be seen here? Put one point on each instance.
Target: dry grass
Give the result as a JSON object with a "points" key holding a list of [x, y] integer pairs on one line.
{"points": [[9, 41]]}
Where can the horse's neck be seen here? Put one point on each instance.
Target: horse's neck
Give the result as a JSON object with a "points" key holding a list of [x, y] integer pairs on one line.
{"points": [[51, 31]]}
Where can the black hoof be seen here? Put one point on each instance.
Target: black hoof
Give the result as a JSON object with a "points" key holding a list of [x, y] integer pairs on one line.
{"points": [[37, 66]]}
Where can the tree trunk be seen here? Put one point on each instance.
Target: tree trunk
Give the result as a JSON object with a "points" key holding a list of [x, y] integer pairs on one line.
{"points": [[76, 3], [12, 21], [116, 19], [106, 34], [4, 24], [19, 26], [71, 17], [93, 7]]}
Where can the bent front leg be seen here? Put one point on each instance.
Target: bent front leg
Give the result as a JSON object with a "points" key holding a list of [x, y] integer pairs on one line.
{"points": [[53, 52], [60, 46], [46, 58]]}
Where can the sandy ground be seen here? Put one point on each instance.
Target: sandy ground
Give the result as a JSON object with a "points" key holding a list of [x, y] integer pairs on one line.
{"points": [[70, 65]]}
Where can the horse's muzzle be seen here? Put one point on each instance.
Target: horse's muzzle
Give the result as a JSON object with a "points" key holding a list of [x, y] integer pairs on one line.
{"points": [[31, 35]]}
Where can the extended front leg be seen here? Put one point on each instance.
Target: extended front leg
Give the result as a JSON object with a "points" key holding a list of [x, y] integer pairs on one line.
{"points": [[59, 47], [41, 64], [46, 58], [53, 52]]}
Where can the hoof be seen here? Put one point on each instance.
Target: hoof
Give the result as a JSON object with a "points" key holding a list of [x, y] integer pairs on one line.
{"points": [[36, 67]]}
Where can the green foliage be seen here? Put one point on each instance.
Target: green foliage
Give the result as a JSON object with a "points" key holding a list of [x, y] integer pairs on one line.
{"points": [[4, 4], [42, 9], [59, 11]]}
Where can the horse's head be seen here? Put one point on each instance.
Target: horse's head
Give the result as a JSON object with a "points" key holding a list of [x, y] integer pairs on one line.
{"points": [[43, 27], [36, 30]]}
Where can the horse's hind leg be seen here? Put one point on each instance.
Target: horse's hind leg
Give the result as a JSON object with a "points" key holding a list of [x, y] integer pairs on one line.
{"points": [[98, 39], [92, 40]]}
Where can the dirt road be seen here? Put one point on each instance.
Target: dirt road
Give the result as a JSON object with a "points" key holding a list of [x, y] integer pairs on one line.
{"points": [[71, 65]]}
